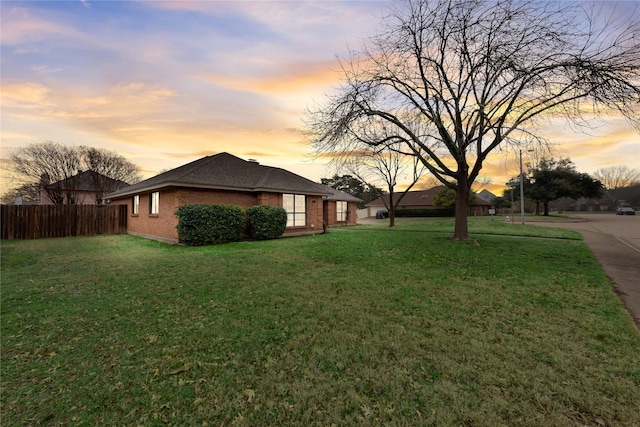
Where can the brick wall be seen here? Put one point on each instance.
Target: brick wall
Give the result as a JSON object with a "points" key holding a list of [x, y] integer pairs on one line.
{"points": [[191, 196], [352, 207], [163, 225], [272, 199], [313, 209], [330, 213]]}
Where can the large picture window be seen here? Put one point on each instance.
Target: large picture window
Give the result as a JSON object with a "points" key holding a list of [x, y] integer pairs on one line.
{"points": [[341, 211], [136, 204], [154, 207], [295, 205]]}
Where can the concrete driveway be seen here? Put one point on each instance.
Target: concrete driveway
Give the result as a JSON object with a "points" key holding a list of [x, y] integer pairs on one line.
{"points": [[615, 243]]}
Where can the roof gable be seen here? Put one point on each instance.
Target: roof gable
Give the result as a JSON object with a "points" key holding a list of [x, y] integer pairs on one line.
{"points": [[227, 172], [487, 196]]}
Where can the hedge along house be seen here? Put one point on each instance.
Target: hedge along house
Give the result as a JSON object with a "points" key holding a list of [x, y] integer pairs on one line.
{"points": [[225, 179]]}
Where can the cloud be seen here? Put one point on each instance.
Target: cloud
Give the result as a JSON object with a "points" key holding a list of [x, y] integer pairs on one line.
{"points": [[283, 79], [122, 109], [270, 32], [24, 95], [45, 69], [20, 26]]}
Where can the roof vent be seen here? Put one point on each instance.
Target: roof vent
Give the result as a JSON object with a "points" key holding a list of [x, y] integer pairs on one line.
{"points": [[253, 161]]}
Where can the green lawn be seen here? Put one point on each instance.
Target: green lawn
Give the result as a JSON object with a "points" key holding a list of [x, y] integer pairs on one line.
{"points": [[361, 326]]}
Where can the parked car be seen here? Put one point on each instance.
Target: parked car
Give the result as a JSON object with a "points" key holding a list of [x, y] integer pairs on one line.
{"points": [[382, 214], [625, 210]]}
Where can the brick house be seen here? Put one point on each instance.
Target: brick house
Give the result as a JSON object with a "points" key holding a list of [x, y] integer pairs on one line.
{"points": [[84, 188], [423, 199], [228, 180]]}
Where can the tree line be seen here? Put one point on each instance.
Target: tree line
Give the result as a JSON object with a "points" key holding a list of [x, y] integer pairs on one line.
{"points": [[544, 183], [554, 179]]}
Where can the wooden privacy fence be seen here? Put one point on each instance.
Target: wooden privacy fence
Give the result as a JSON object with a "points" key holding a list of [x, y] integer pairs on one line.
{"points": [[40, 221]]}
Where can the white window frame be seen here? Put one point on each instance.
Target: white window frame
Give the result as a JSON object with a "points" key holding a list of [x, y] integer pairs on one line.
{"points": [[154, 203], [296, 207], [136, 205], [341, 211]]}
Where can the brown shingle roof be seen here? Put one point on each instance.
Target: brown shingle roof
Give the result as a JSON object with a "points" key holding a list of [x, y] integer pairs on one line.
{"points": [[340, 195], [86, 181], [227, 172], [412, 198], [422, 198]]}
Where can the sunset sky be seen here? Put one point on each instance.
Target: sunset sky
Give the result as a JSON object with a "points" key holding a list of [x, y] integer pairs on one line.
{"points": [[167, 82]]}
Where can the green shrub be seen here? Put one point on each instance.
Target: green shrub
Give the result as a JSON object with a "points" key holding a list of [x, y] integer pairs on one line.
{"points": [[210, 224], [266, 222]]}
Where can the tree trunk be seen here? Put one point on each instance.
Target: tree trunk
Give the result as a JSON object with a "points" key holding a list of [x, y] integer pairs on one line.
{"points": [[546, 208], [391, 209], [461, 228]]}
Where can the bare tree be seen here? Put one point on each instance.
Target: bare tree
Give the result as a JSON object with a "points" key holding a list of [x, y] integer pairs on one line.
{"points": [[53, 166], [386, 165], [112, 171], [452, 80], [49, 164], [614, 177]]}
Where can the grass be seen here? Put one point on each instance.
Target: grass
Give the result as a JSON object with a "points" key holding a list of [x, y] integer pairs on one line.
{"points": [[361, 326], [479, 226]]}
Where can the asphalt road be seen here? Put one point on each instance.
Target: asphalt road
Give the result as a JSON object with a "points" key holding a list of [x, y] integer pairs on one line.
{"points": [[615, 243], [626, 228]]}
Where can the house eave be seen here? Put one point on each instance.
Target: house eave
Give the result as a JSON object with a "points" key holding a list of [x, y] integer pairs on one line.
{"points": [[164, 185]]}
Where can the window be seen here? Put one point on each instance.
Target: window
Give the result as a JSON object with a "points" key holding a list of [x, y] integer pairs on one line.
{"points": [[154, 203], [341, 211], [136, 204], [295, 205]]}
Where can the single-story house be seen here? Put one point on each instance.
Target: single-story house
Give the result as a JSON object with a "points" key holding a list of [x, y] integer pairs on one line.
{"points": [[229, 180], [487, 196], [84, 188], [422, 199]]}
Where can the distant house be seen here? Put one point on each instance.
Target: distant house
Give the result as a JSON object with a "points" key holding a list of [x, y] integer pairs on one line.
{"points": [[422, 199], [19, 201], [85, 188], [228, 180], [487, 196]]}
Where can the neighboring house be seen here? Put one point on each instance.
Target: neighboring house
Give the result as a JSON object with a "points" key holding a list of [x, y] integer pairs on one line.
{"points": [[228, 180], [487, 196], [583, 204], [85, 188], [19, 201], [422, 199]]}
